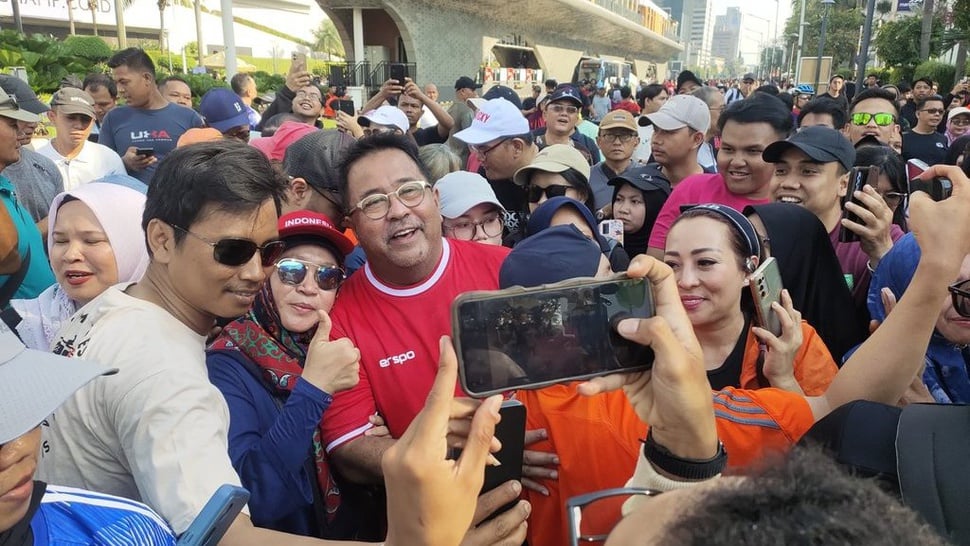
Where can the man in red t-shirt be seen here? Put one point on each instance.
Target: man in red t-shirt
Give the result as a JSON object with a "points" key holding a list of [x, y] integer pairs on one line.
{"points": [[397, 307]]}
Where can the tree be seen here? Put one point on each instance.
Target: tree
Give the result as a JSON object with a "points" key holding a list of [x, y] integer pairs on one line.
{"points": [[898, 42], [926, 30], [842, 30], [162, 4], [327, 39], [93, 6]]}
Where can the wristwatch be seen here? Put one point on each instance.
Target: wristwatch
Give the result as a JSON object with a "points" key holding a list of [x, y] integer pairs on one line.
{"points": [[688, 469]]}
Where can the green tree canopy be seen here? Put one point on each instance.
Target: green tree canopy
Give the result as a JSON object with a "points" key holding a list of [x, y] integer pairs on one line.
{"points": [[842, 32], [327, 39], [897, 42]]}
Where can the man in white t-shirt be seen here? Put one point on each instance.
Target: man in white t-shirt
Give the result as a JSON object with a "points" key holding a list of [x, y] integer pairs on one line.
{"points": [[79, 160]]}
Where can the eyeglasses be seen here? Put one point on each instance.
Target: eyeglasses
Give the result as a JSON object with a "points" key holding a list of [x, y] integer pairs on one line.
{"points": [[960, 292], [293, 272], [619, 137], [484, 151], [960, 121], [601, 511], [236, 252], [376, 206], [379, 130], [491, 226], [301, 94], [933, 111], [882, 119], [560, 108], [557, 190]]}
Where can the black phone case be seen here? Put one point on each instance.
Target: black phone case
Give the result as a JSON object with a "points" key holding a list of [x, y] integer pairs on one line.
{"points": [[858, 178], [511, 432]]}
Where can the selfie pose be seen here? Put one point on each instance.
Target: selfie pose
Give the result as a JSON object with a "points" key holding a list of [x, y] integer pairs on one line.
{"points": [[714, 250], [276, 394]]}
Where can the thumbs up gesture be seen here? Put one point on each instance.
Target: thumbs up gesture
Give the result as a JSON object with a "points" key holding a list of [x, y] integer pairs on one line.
{"points": [[331, 366]]}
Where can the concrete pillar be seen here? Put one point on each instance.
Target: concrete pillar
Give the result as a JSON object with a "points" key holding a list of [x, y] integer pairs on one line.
{"points": [[358, 35], [229, 37]]}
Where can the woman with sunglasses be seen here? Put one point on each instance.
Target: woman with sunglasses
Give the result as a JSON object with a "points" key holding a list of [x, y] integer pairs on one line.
{"points": [[277, 397], [947, 358], [94, 241], [713, 251], [557, 170]]}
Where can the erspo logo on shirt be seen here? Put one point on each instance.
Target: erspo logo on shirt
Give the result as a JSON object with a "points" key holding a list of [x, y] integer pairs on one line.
{"points": [[397, 359]]}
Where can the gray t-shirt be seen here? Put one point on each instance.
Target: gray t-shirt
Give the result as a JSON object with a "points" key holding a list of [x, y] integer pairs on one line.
{"points": [[37, 182], [463, 116]]}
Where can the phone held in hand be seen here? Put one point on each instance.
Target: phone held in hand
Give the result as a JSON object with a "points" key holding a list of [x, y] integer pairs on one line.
{"points": [[510, 431], [528, 338], [938, 188], [208, 528], [859, 177], [399, 72], [612, 230], [145, 152], [765, 284], [299, 62]]}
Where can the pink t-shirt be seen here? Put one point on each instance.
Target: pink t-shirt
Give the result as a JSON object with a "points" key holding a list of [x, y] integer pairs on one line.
{"points": [[695, 190]]}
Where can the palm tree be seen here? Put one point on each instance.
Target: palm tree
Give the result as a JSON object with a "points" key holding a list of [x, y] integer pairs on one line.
{"points": [[93, 6], [162, 4], [328, 39], [120, 6], [70, 19]]}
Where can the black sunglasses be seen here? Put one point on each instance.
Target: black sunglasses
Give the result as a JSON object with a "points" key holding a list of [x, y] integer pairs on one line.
{"points": [[960, 292], [536, 192], [293, 272], [236, 252]]}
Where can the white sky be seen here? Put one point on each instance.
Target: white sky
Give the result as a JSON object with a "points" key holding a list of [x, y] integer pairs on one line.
{"points": [[762, 8]]}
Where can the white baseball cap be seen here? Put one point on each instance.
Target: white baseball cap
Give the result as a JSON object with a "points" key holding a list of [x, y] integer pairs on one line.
{"points": [[390, 116], [682, 111], [957, 111], [35, 383], [460, 191], [494, 119]]}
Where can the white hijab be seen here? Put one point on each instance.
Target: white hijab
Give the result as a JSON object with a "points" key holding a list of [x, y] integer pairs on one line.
{"points": [[119, 210]]}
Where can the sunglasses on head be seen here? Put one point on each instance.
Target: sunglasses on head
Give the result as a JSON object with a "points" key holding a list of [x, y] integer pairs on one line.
{"points": [[960, 292], [236, 252], [536, 192], [293, 272]]}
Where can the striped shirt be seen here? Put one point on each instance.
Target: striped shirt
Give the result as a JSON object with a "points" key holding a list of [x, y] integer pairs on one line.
{"points": [[754, 423], [69, 516]]}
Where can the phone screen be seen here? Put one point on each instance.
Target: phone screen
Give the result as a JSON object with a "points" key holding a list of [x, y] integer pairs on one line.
{"points": [[529, 338]]}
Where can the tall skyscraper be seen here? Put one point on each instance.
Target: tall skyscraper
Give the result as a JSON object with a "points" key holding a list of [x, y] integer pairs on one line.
{"points": [[727, 34], [696, 24]]}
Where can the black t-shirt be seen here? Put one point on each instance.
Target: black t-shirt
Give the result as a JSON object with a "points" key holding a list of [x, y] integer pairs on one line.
{"points": [[529, 103], [429, 135], [729, 374], [930, 148]]}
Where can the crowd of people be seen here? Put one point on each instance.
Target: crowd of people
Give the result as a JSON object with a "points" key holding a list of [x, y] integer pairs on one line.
{"points": [[194, 298]]}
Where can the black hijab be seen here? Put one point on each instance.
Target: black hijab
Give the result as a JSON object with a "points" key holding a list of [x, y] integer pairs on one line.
{"points": [[811, 272]]}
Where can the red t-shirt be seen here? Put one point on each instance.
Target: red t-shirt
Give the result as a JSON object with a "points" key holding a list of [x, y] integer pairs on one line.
{"points": [[397, 330]]}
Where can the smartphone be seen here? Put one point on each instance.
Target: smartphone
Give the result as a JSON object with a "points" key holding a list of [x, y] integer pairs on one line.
{"points": [[858, 178], [765, 285], [510, 430], [399, 71], [145, 152], [299, 59], [528, 338], [347, 107], [939, 188], [612, 230], [215, 518]]}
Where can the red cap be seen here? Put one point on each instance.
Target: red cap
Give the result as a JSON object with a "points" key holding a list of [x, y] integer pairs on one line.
{"points": [[307, 223]]}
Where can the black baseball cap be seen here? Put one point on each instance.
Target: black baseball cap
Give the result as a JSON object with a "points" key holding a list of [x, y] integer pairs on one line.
{"points": [[465, 82], [25, 96], [822, 144], [503, 92]]}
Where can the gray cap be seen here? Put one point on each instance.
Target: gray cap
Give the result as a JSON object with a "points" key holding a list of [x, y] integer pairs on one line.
{"points": [[35, 383], [71, 100], [460, 191], [314, 158]]}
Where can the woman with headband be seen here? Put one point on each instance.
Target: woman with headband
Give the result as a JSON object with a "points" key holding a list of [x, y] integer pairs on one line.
{"points": [[713, 250]]}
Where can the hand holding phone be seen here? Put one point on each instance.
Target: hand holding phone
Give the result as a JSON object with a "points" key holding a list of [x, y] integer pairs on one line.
{"points": [[766, 287], [859, 177], [612, 230], [208, 528], [939, 188], [299, 62], [528, 338]]}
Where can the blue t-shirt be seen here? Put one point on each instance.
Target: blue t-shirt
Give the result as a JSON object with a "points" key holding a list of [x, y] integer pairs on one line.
{"points": [[159, 130], [39, 275], [69, 516]]}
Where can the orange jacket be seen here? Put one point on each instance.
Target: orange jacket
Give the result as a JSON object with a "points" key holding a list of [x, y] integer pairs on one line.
{"points": [[814, 366]]}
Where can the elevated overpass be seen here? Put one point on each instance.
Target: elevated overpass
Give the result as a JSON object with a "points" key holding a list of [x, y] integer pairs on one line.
{"points": [[501, 41]]}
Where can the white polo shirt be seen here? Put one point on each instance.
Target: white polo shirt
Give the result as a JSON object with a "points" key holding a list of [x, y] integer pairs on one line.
{"points": [[94, 162]]}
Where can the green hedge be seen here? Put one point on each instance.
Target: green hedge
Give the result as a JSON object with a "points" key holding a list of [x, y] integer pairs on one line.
{"points": [[941, 73]]}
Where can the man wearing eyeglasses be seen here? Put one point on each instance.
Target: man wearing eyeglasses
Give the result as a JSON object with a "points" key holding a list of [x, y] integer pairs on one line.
{"points": [[561, 114], [618, 139], [873, 112], [923, 142], [398, 306]]}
